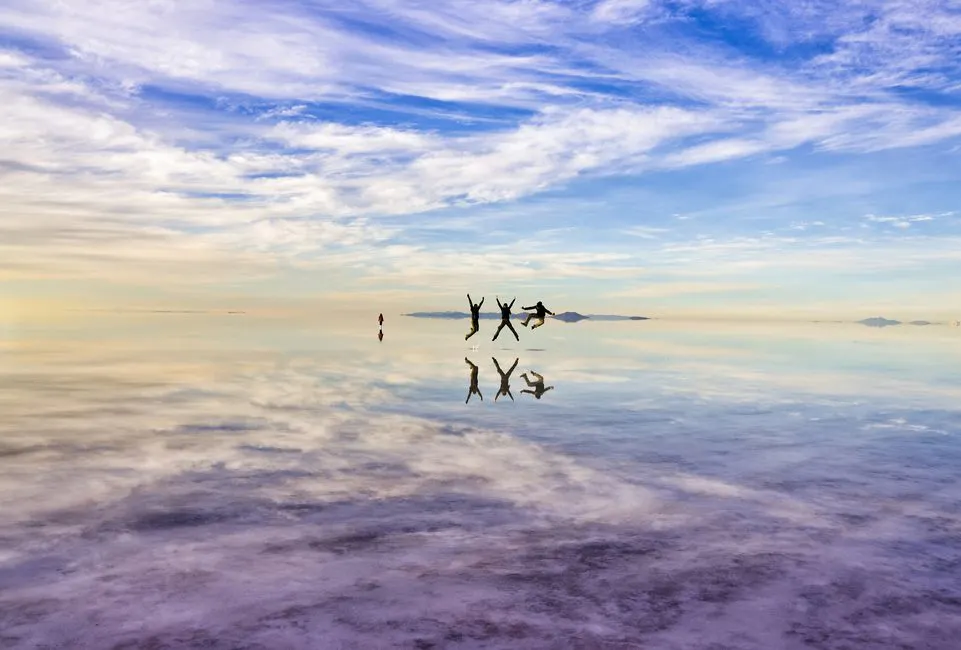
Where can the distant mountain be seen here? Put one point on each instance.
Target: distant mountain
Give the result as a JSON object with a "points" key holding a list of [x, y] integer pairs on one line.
{"points": [[570, 316], [615, 317], [453, 315], [458, 315], [920, 322], [878, 321], [566, 317]]}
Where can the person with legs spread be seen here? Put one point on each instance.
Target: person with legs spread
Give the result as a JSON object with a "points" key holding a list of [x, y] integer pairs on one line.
{"points": [[540, 312], [505, 318], [474, 317], [538, 385], [505, 387], [473, 382]]}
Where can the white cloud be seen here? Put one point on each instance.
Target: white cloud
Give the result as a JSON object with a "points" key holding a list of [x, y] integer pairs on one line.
{"points": [[243, 165], [903, 222], [671, 289], [644, 232], [616, 11]]}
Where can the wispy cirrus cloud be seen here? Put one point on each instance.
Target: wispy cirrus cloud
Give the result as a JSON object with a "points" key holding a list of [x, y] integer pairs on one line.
{"points": [[137, 135]]}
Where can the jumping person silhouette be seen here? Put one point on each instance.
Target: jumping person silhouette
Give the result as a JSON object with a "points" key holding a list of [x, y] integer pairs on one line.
{"points": [[473, 381], [540, 312], [538, 385], [505, 318], [505, 387], [474, 317]]}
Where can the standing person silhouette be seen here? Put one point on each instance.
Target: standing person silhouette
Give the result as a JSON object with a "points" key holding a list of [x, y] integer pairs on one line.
{"points": [[474, 317], [473, 382], [505, 318], [505, 387], [380, 320], [540, 312]]}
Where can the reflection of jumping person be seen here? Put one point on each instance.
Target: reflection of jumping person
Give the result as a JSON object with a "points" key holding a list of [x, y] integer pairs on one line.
{"points": [[505, 319], [540, 312], [474, 317], [538, 385], [473, 381], [505, 387]]}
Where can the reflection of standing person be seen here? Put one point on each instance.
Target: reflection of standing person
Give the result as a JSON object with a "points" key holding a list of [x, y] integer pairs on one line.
{"points": [[474, 317], [380, 335], [380, 320], [473, 381], [538, 385], [505, 387], [540, 312], [505, 319]]}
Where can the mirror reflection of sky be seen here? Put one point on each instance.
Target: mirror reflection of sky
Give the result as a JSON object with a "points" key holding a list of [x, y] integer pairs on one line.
{"points": [[183, 480]]}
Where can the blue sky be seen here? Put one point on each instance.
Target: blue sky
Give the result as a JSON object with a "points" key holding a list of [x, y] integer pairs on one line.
{"points": [[642, 156]]}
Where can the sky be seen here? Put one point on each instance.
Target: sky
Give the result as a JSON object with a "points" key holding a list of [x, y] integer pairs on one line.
{"points": [[685, 157]]}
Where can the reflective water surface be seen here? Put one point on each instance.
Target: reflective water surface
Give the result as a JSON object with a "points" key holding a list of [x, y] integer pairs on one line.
{"points": [[177, 481]]}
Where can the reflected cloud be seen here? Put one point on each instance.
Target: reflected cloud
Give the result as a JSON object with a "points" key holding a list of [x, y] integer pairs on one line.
{"points": [[347, 482]]}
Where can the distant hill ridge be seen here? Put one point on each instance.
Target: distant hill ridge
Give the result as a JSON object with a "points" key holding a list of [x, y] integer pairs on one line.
{"points": [[566, 317], [879, 321]]}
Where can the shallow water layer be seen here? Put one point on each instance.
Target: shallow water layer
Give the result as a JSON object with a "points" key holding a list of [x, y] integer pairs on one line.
{"points": [[176, 481]]}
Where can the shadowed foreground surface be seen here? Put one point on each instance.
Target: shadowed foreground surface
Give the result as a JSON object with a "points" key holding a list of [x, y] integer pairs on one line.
{"points": [[243, 487]]}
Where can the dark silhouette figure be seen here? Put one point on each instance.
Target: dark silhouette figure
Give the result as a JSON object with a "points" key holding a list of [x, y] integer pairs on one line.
{"points": [[473, 382], [474, 317], [380, 335], [540, 312], [538, 385], [505, 319], [380, 320], [505, 387]]}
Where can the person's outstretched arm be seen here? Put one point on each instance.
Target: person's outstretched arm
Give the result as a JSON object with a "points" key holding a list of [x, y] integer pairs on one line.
{"points": [[498, 299], [469, 301], [512, 303], [549, 312], [512, 367], [531, 307], [481, 303]]}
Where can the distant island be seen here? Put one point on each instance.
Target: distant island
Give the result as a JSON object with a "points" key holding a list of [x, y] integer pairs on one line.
{"points": [[878, 321], [119, 310], [565, 317], [570, 316]]}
